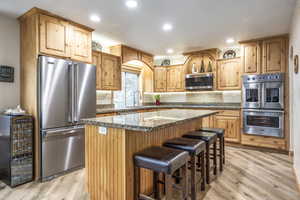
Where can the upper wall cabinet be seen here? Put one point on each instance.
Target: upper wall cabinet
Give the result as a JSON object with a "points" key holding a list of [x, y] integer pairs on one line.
{"points": [[175, 78], [129, 54], [57, 36], [251, 58], [267, 55], [160, 79], [108, 73], [229, 74], [274, 55], [81, 44], [54, 36]]}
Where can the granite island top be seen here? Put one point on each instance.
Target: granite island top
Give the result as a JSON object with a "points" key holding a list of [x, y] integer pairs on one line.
{"points": [[223, 106], [148, 121]]}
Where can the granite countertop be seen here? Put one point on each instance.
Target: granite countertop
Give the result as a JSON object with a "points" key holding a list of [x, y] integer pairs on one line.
{"points": [[223, 106], [148, 121]]}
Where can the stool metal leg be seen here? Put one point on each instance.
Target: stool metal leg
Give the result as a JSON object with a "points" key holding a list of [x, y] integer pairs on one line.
{"points": [[203, 171], [137, 175], [156, 185], [221, 153], [184, 182], [223, 150], [207, 158], [215, 158], [193, 178], [169, 186]]}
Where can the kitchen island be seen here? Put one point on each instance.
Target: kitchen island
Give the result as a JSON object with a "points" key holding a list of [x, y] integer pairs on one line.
{"points": [[111, 142]]}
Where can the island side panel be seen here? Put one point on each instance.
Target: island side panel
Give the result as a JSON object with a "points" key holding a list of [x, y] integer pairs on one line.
{"points": [[105, 163], [137, 141]]}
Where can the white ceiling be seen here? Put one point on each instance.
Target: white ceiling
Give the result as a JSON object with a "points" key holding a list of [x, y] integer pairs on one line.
{"points": [[197, 24]]}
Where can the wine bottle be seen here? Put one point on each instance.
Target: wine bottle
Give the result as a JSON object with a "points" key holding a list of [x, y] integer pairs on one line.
{"points": [[202, 69], [209, 68]]}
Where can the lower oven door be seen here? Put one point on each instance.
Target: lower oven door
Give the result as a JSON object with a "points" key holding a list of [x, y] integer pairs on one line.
{"points": [[264, 122], [62, 151]]}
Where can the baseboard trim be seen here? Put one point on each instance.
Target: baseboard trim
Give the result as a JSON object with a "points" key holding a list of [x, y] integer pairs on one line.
{"points": [[297, 178]]}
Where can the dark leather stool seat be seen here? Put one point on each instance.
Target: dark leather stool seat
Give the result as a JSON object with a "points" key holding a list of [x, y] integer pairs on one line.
{"points": [[210, 139], [194, 147], [218, 131], [201, 135], [221, 134], [161, 159]]}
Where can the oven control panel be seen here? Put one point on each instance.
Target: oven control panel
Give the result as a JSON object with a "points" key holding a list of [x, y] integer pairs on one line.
{"points": [[263, 78]]}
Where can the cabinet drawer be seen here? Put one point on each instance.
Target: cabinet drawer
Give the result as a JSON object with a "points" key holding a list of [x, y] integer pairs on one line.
{"points": [[235, 113]]}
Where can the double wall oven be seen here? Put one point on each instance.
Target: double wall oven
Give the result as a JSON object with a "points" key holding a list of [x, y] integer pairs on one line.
{"points": [[263, 104]]}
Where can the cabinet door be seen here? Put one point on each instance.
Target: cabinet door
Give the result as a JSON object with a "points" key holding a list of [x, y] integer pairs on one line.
{"points": [[231, 126], [251, 58], [171, 79], [274, 55], [110, 72], [54, 36], [148, 59], [129, 54], [96, 60], [160, 79], [229, 74], [81, 44]]}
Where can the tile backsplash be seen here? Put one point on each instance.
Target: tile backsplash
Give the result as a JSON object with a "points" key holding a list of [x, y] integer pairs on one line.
{"points": [[197, 97]]}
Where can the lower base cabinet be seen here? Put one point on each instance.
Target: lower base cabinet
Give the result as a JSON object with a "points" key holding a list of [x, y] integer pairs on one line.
{"points": [[231, 124]]}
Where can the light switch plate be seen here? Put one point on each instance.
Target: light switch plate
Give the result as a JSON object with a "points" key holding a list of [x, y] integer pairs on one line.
{"points": [[102, 130]]}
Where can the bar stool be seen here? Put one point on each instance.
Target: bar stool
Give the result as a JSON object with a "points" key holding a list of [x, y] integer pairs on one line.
{"points": [[160, 160], [220, 133], [196, 149], [210, 140]]}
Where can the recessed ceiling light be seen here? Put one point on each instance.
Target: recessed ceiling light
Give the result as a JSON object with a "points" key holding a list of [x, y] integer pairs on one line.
{"points": [[230, 41], [95, 18], [170, 51], [167, 27], [131, 4]]}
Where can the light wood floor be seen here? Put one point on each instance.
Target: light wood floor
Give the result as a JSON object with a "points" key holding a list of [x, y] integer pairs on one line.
{"points": [[248, 175]]}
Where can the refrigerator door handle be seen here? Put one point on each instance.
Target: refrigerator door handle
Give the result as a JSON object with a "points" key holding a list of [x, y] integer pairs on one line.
{"points": [[71, 92], [75, 96]]}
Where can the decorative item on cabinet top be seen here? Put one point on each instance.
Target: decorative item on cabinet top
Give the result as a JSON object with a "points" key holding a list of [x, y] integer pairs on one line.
{"points": [[96, 46], [229, 54], [166, 62]]}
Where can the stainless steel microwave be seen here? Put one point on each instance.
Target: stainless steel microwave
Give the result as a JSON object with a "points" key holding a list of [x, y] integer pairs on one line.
{"points": [[199, 81]]}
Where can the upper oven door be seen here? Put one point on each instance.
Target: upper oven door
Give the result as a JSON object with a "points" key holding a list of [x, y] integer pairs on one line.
{"points": [[273, 95], [264, 122], [252, 95]]}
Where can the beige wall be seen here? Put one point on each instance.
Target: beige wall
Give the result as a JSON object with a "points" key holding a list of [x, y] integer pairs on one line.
{"points": [[9, 55], [295, 90]]}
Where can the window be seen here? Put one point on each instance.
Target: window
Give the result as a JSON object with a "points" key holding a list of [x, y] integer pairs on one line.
{"points": [[129, 95]]}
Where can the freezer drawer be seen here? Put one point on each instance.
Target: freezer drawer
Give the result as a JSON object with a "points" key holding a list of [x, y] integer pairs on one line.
{"points": [[62, 151]]}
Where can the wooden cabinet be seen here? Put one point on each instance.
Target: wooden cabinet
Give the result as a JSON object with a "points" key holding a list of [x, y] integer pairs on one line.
{"points": [[274, 55], [96, 60], [160, 79], [59, 37], [54, 36], [251, 58], [169, 79], [229, 74], [81, 44], [175, 79], [110, 72], [130, 54], [266, 55], [232, 126], [147, 58]]}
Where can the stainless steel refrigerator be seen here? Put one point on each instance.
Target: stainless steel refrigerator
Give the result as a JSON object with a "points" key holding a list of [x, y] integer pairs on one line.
{"points": [[67, 93]]}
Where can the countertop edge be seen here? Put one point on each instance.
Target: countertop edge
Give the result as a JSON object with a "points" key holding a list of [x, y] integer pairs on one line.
{"points": [[142, 128]]}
